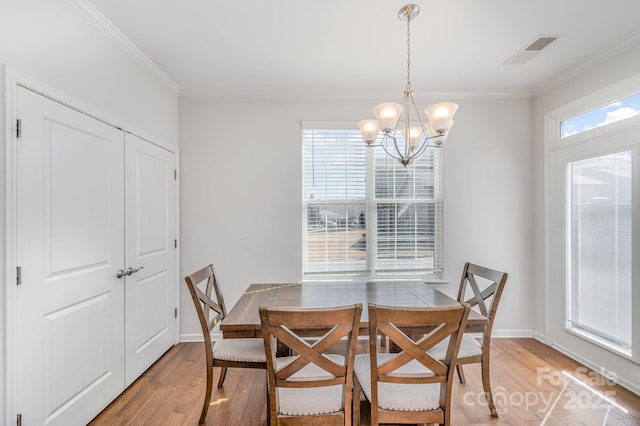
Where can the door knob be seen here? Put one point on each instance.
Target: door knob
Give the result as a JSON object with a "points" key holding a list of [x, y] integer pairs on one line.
{"points": [[130, 270]]}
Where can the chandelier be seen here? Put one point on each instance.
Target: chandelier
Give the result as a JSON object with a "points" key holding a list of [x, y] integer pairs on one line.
{"points": [[413, 139]]}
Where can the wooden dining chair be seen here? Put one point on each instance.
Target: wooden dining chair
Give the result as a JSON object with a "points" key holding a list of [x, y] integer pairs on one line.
{"points": [[486, 286], [410, 386], [225, 353], [310, 387]]}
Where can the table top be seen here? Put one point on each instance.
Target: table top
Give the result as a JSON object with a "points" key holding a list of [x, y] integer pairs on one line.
{"points": [[243, 320]]}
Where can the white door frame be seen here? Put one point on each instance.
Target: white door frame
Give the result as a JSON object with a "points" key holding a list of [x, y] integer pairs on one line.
{"points": [[10, 79]]}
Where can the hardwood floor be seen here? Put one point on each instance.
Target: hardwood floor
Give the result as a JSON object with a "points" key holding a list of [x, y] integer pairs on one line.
{"points": [[528, 382]]}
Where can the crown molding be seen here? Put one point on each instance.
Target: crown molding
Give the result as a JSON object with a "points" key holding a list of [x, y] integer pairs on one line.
{"points": [[475, 94], [576, 70], [94, 16]]}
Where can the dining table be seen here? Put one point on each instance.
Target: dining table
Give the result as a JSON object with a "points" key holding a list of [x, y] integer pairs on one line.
{"points": [[243, 321]]}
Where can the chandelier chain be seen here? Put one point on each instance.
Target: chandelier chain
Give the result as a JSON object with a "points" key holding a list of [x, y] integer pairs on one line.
{"points": [[408, 52]]}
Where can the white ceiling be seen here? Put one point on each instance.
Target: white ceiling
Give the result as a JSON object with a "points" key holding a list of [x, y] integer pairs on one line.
{"points": [[357, 48]]}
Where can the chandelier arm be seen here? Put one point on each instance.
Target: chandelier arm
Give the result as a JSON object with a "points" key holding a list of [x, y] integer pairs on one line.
{"points": [[415, 107], [428, 140], [422, 149], [395, 142], [436, 136], [389, 153], [407, 123]]}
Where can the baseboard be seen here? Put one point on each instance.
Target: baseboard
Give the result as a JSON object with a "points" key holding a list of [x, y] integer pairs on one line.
{"points": [[191, 337], [197, 337], [595, 367], [515, 334], [539, 337]]}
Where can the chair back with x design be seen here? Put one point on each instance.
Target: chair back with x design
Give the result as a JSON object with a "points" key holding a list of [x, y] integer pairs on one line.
{"points": [[486, 286], [410, 386], [211, 311], [487, 299], [235, 353], [311, 382]]}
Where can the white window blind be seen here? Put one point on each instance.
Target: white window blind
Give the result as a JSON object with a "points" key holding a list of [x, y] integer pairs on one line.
{"points": [[600, 233], [335, 202], [408, 214], [366, 214]]}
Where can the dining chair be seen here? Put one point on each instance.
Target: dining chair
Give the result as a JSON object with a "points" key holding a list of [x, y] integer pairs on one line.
{"points": [[409, 386], [224, 353], [311, 386], [486, 286]]}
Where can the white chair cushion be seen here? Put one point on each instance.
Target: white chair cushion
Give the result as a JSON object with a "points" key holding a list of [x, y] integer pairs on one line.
{"points": [[468, 347], [396, 396], [310, 401], [247, 350]]}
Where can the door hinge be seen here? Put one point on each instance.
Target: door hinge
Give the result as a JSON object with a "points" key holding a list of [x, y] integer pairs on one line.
{"points": [[19, 275], [19, 128], [175, 174], [175, 313], [175, 243], [19, 420]]}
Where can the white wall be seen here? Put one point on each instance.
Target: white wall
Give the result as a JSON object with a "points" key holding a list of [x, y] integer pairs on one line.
{"points": [[50, 41], [488, 182], [241, 189]]}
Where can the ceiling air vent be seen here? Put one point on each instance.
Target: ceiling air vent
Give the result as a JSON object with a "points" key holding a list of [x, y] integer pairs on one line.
{"points": [[532, 49]]}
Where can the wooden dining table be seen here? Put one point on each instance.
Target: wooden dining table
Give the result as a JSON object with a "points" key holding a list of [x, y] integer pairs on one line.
{"points": [[243, 321]]}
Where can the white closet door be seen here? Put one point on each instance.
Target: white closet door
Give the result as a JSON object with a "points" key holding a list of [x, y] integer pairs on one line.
{"points": [[150, 299], [69, 306]]}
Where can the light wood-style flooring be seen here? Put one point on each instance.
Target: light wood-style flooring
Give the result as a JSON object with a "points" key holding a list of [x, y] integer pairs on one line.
{"points": [[533, 385]]}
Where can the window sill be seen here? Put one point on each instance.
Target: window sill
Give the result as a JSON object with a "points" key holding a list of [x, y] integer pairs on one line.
{"points": [[603, 343], [435, 282]]}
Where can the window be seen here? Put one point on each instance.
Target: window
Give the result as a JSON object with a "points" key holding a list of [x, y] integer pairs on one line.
{"points": [[364, 213], [615, 111]]}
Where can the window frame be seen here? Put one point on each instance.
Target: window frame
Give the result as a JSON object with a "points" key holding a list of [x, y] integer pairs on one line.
{"points": [[371, 202], [599, 99], [594, 142]]}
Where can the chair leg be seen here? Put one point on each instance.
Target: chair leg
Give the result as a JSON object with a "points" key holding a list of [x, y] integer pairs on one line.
{"points": [[460, 373], [223, 374], [356, 401], [268, 400], [207, 395], [486, 384]]}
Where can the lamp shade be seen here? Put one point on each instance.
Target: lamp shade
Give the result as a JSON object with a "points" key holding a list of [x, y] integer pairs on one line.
{"points": [[438, 138], [441, 115], [369, 129], [388, 114], [412, 136]]}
